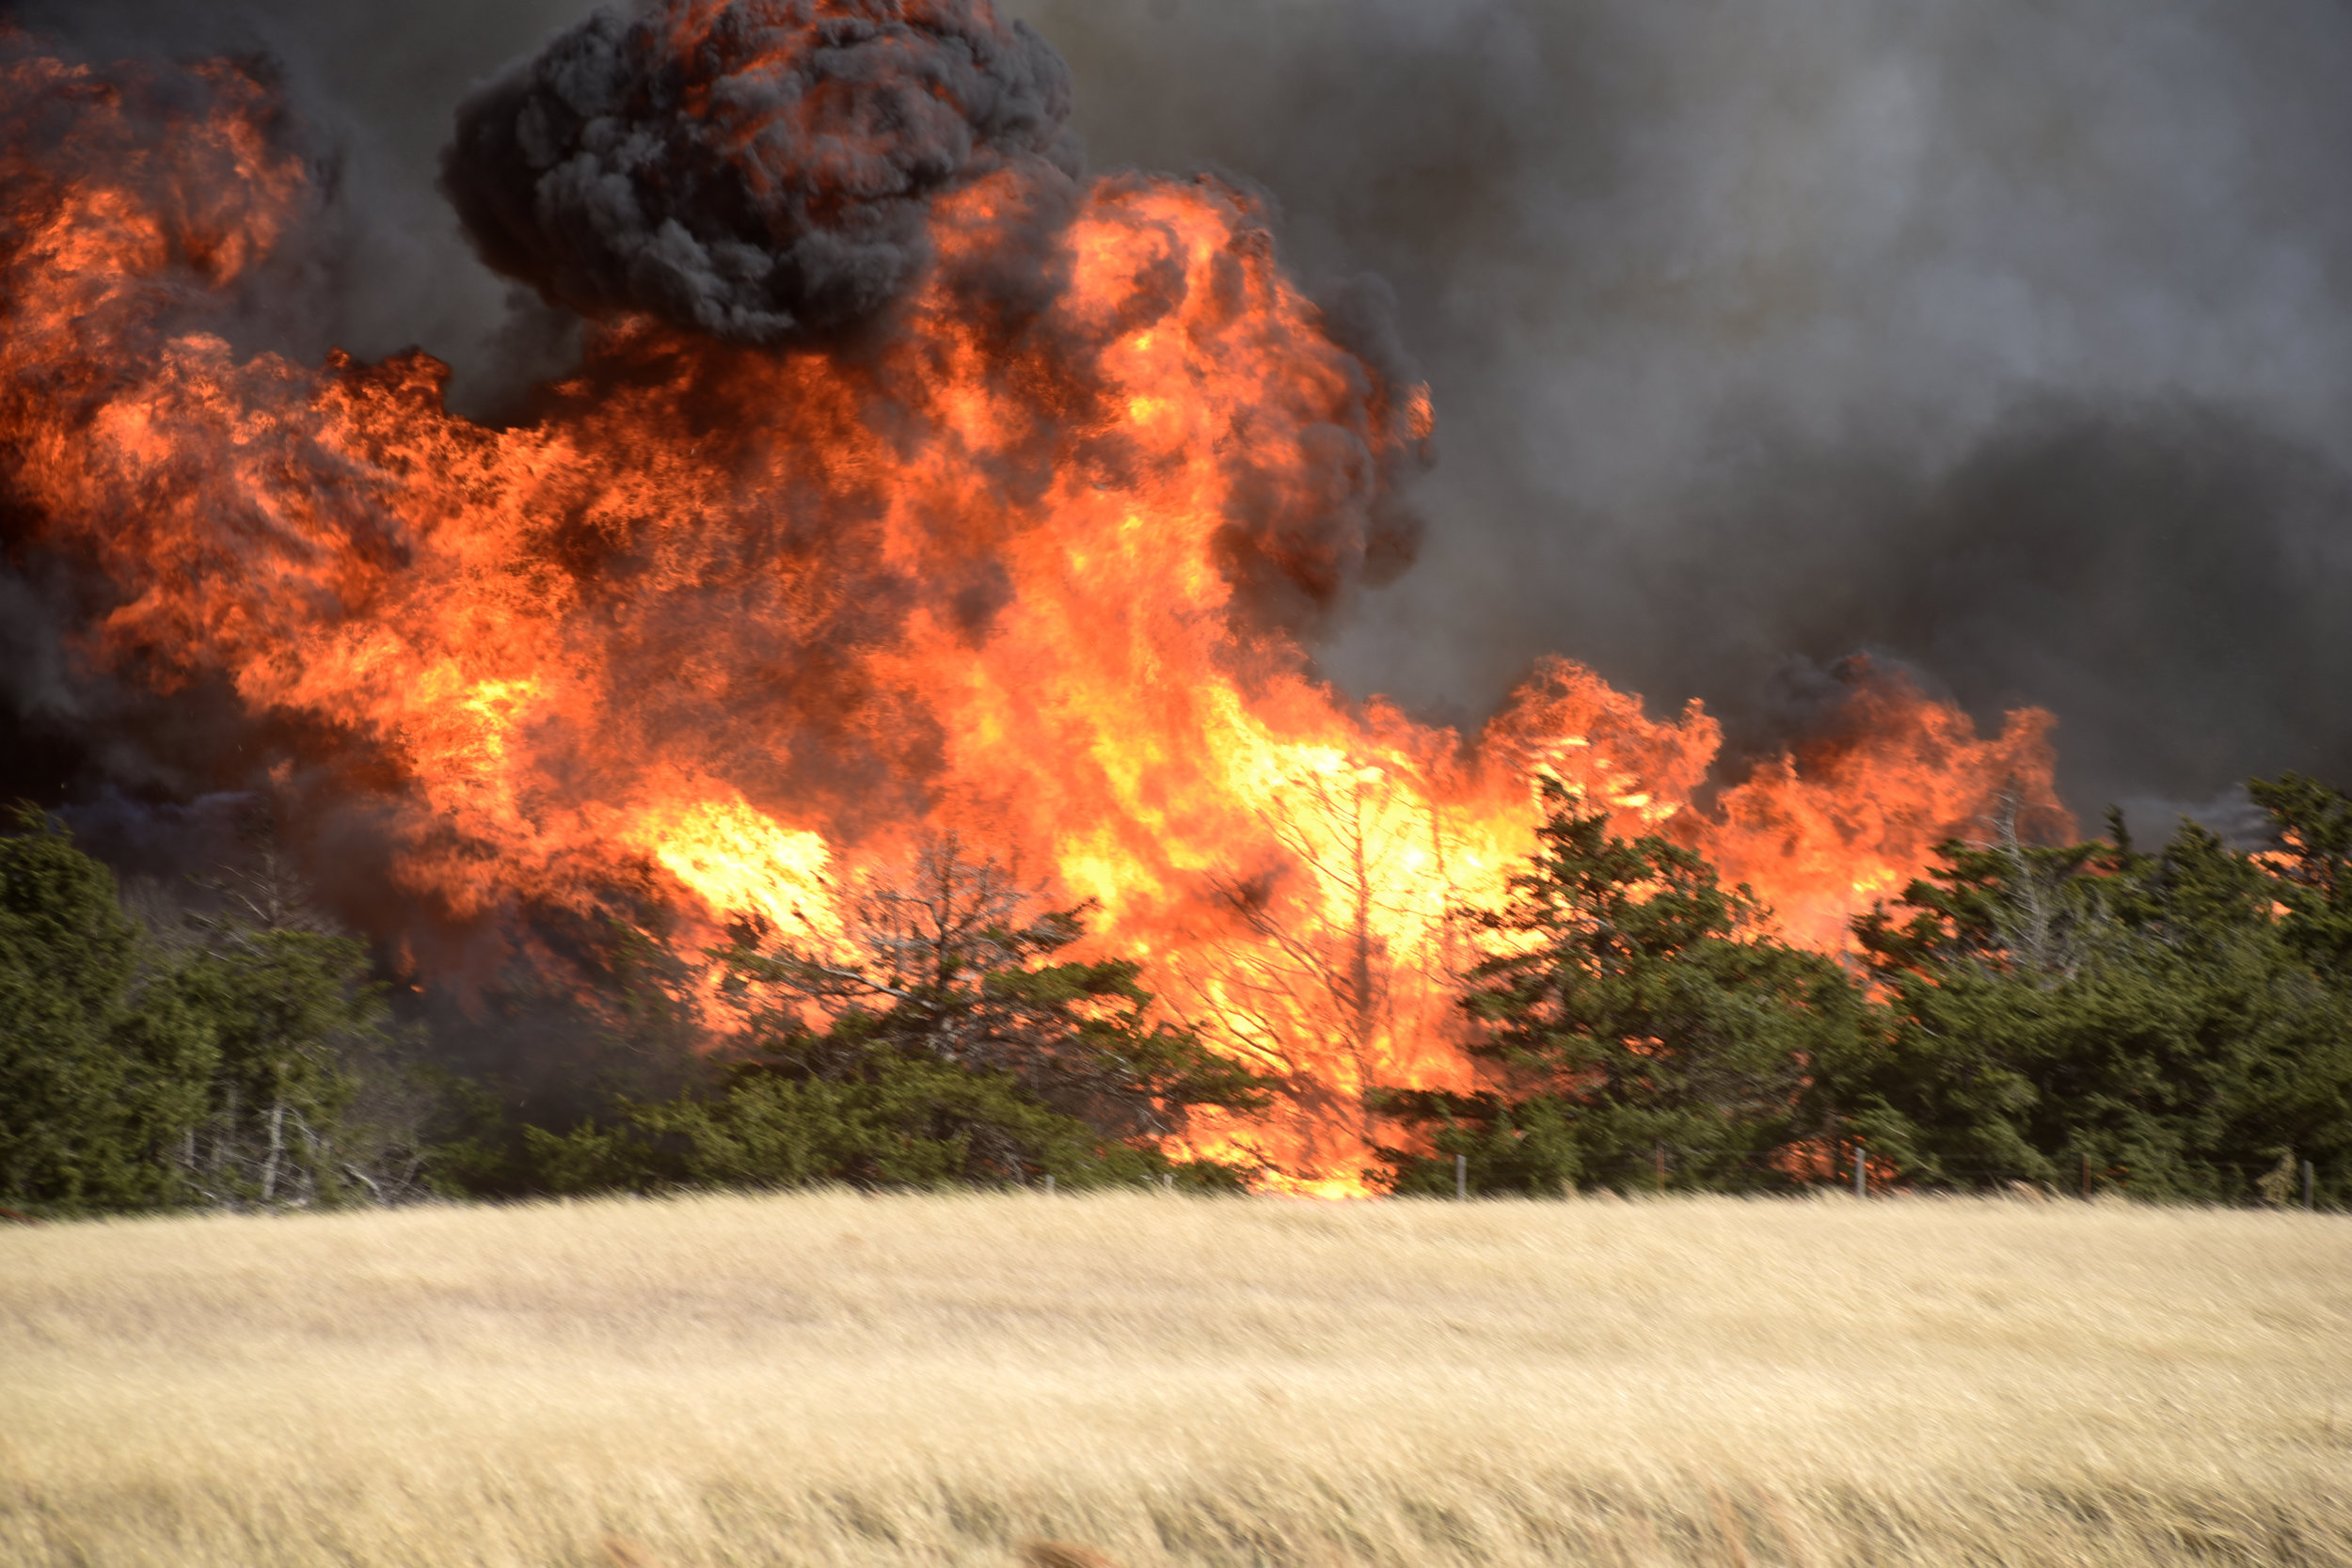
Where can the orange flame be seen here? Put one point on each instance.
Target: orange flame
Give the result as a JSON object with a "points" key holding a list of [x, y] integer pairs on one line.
{"points": [[736, 620]]}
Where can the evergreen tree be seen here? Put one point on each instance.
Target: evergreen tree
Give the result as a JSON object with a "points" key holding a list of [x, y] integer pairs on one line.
{"points": [[2148, 1018], [212, 1060], [1632, 1009], [2311, 865], [105, 1060], [296, 1019], [603, 1008], [945, 1040]]}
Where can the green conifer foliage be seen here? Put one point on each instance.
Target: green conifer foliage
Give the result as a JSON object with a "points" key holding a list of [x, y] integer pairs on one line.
{"points": [[947, 1041], [103, 1058], [292, 1011], [1636, 1016], [2145, 1023]]}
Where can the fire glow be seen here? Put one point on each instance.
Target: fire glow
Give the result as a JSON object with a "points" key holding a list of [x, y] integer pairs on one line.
{"points": [[1038, 563]]}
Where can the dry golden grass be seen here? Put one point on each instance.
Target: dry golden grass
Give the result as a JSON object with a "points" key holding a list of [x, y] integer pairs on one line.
{"points": [[833, 1379]]}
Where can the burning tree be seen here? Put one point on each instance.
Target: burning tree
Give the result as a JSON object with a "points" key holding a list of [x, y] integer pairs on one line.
{"points": [[906, 461], [941, 1035], [1640, 1022], [1338, 975], [2176, 1023]]}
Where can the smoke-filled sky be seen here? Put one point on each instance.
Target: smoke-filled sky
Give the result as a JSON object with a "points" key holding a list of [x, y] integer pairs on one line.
{"points": [[2010, 339]]}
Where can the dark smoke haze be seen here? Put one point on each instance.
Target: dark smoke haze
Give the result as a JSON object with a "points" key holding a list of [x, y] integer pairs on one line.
{"points": [[2012, 339], [2009, 340]]}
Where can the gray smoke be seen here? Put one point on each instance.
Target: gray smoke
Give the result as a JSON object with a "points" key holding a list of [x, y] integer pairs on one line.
{"points": [[2008, 338], [759, 176]]}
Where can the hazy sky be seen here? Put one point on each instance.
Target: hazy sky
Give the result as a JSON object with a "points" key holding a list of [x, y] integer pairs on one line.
{"points": [[2011, 338]]}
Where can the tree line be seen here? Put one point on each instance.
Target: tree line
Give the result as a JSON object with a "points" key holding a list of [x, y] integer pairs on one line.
{"points": [[2172, 1024], [238, 1058]]}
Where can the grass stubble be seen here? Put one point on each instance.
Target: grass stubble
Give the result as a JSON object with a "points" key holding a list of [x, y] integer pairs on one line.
{"points": [[833, 1379]]}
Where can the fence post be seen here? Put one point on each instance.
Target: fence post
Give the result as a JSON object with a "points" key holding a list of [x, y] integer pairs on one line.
{"points": [[1461, 1177], [2311, 1175], [1049, 1183], [1861, 1173]]}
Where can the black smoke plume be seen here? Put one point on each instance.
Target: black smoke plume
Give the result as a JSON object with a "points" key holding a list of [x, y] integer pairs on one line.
{"points": [[818, 132], [759, 173], [2008, 340]]}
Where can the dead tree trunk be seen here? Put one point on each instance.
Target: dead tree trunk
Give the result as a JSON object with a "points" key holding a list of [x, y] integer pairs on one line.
{"points": [[277, 1149]]}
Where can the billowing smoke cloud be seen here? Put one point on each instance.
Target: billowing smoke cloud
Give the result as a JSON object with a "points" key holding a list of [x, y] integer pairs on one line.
{"points": [[2009, 339], [878, 498], [757, 173]]}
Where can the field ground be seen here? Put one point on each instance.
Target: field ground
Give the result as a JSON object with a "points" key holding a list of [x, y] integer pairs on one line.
{"points": [[834, 1379]]}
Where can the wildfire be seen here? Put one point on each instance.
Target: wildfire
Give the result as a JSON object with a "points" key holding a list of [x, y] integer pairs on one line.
{"points": [[1033, 558]]}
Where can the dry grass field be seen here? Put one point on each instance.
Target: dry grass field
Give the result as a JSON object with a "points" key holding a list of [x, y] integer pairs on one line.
{"points": [[835, 1379]]}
